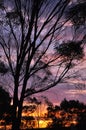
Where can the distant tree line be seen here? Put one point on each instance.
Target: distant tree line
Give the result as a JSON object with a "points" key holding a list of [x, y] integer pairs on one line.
{"points": [[70, 113]]}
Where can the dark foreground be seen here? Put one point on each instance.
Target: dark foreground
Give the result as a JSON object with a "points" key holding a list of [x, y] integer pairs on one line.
{"points": [[71, 128]]}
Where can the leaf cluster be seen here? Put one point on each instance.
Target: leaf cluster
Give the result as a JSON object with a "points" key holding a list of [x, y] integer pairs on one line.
{"points": [[77, 13], [70, 50]]}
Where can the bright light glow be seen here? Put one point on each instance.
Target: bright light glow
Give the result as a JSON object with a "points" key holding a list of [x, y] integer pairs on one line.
{"points": [[44, 123]]}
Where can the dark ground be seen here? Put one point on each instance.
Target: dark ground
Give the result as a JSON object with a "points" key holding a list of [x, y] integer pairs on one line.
{"points": [[72, 128]]}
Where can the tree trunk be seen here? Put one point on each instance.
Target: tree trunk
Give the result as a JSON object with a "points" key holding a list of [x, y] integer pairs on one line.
{"points": [[16, 123], [14, 119]]}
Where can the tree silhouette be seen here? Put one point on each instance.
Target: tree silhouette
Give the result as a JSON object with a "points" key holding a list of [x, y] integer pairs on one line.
{"points": [[64, 104], [78, 13], [82, 119], [56, 122], [70, 50], [5, 106], [5, 101], [28, 119], [28, 29], [72, 104], [3, 68], [70, 112]]}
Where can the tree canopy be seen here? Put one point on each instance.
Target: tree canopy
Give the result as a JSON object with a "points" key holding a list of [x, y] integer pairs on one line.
{"points": [[28, 31]]}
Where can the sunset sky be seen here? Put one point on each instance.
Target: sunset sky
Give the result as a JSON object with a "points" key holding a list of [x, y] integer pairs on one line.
{"points": [[66, 90], [43, 62]]}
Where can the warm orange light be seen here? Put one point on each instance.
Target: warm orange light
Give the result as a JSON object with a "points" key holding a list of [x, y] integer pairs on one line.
{"points": [[44, 123]]}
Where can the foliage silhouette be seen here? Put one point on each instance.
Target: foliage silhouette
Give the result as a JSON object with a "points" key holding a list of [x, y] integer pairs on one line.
{"points": [[78, 13], [72, 104], [70, 50], [28, 29], [69, 111], [82, 120], [5, 106], [3, 68], [5, 101]]}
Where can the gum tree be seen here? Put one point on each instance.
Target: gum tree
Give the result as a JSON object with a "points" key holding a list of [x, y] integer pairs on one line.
{"points": [[29, 29]]}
